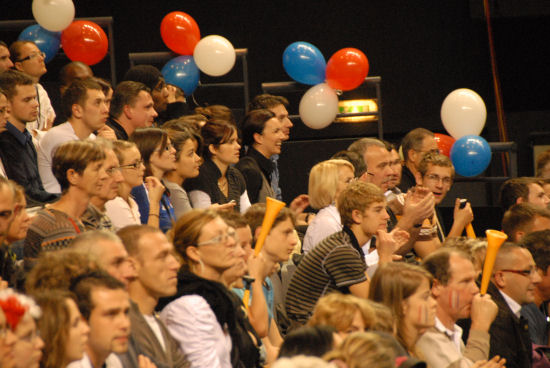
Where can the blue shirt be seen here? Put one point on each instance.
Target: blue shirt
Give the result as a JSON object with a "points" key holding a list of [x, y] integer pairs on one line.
{"points": [[267, 287], [167, 216]]}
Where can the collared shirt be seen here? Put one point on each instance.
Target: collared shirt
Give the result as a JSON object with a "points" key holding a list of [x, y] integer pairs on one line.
{"points": [[455, 335], [514, 306], [23, 137]]}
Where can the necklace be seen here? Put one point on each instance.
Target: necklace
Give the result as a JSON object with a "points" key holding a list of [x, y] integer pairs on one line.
{"points": [[222, 183]]}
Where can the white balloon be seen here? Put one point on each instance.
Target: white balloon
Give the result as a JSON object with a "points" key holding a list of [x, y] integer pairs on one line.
{"points": [[214, 55], [319, 106], [463, 112], [53, 15]]}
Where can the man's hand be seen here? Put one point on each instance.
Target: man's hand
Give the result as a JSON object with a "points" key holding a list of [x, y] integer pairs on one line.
{"points": [[483, 312], [107, 133], [495, 362], [299, 204], [388, 243], [419, 205], [144, 362], [462, 216], [257, 267]]}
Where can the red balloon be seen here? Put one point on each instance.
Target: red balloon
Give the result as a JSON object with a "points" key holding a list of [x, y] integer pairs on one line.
{"points": [[85, 41], [180, 32], [347, 69], [444, 143]]}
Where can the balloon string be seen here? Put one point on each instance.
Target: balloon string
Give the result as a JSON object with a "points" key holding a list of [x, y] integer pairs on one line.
{"points": [[502, 129]]}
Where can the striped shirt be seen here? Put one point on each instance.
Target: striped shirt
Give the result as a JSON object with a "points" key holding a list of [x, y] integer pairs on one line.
{"points": [[336, 263]]}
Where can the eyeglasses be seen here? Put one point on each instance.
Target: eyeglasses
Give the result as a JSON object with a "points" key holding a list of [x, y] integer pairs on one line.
{"points": [[34, 55], [136, 165], [220, 239], [527, 273], [436, 178], [112, 170]]}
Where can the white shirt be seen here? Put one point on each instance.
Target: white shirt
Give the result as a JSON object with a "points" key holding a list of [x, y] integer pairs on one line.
{"points": [[514, 306], [200, 199], [153, 323], [193, 324], [112, 361], [326, 222], [123, 213], [45, 109], [371, 258], [455, 335], [46, 149]]}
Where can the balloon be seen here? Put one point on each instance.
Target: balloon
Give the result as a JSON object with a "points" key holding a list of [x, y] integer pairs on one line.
{"points": [[85, 41], [182, 71], [347, 69], [463, 113], [444, 143], [46, 41], [304, 63], [214, 55], [53, 15], [470, 155], [319, 106], [180, 32]]}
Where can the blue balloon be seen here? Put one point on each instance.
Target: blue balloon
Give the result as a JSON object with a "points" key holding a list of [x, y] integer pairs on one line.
{"points": [[470, 155], [182, 72], [304, 63], [48, 42]]}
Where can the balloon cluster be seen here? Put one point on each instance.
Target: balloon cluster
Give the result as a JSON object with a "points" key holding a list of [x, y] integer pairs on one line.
{"points": [[345, 70], [213, 55], [463, 114], [81, 40]]}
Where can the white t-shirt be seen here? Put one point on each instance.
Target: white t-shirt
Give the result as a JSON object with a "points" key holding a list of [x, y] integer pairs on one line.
{"points": [[154, 324]]}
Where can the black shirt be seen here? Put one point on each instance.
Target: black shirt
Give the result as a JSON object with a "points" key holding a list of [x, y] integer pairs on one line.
{"points": [[251, 175], [119, 130]]}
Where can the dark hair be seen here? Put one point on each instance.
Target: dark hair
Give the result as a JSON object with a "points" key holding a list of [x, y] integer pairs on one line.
{"points": [[513, 189], [2, 43], [537, 243], [15, 49], [103, 83], [437, 263], [180, 136], [309, 341], [12, 78], [216, 112], [216, 132], [147, 140], [130, 236], [354, 158], [146, 74], [125, 93], [76, 93], [520, 216], [83, 286], [76, 155], [413, 140], [254, 122], [194, 122], [266, 101]]}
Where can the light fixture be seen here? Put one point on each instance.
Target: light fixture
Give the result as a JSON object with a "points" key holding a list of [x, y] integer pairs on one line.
{"points": [[357, 106]]}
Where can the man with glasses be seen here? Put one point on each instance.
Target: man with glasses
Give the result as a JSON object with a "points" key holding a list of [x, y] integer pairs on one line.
{"points": [[28, 59], [414, 145], [513, 285], [17, 150], [132, 107], [84, 103], [436, 172]]}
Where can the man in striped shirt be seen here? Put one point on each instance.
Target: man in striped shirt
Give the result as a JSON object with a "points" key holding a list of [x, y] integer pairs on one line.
{"points": [[337, 263]]}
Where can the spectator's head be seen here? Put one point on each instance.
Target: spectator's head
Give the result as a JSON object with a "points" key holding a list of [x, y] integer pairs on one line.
{"points": [[281, 239], [221, 143], [396, 164], [5, 61], [71, 72], [28, 59], [132, 105], [415, 144], [363, 204], [515, 273], [107, 90], [263, 131], [131, 164], [104, 303], [79, 165], [7, 206], [153, 258], [21, 313], [84, 101], [537, 244], [21, 95], [21, 221], [327, 179], [354, 158], [243, 231], [4, 111], [153, 79], [542, 166], [309, 341], [157, 152], [107, 249], [64, 331], [474, 248], [277, 105], [195, 122], [110, 186], [436, 172], [377, 158], [216, 112], [405, 289], [187, 143], [363, 350], [524, 218], [346, 313], [454, 284], [522, 190]]}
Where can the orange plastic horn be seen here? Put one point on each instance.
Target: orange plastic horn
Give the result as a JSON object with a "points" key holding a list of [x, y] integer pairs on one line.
{"points": [[470, 233], [495, 239], [272, 209]]}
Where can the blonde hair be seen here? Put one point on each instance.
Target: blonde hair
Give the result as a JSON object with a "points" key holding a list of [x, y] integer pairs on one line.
{"points": [[338, 310], [357, 196], [363, 350], [323, 182]]}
